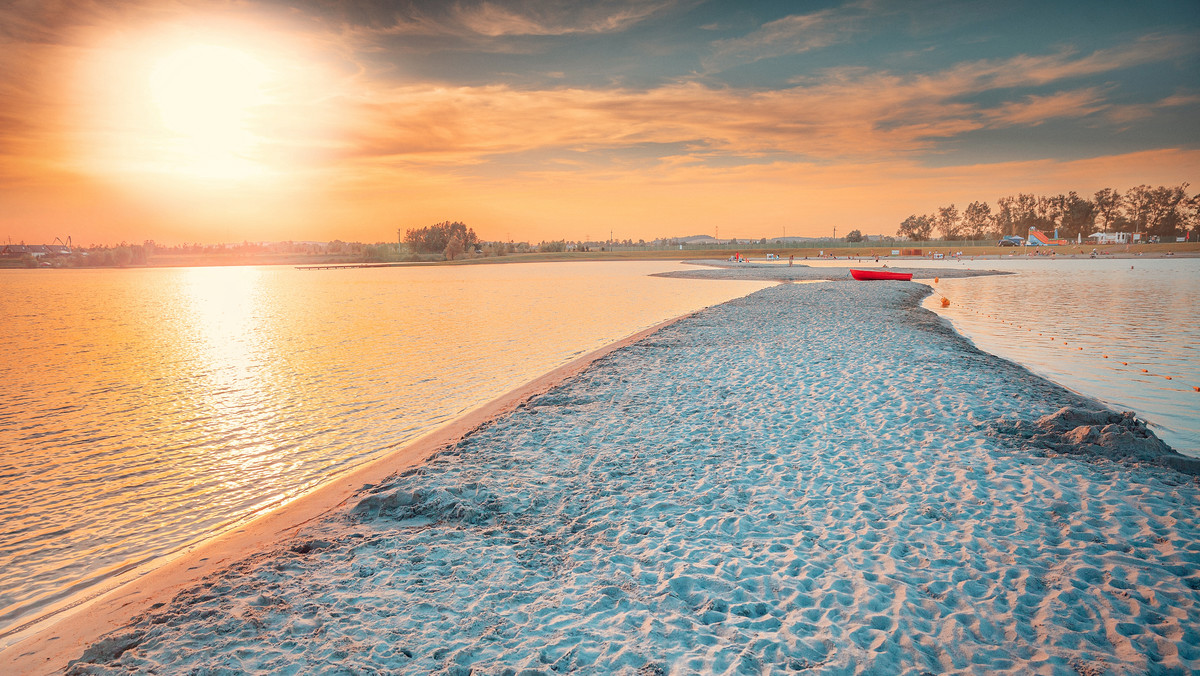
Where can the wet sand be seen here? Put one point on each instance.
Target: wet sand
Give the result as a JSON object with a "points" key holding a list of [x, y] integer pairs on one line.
{"points": [[819, 477]]}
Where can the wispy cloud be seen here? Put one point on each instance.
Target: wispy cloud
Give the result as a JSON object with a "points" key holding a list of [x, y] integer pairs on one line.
{"points": [[793, 34], [517, 18]]}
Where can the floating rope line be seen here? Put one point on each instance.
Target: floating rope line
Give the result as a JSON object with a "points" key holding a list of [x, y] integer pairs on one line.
{"points": [[1065, 343]]}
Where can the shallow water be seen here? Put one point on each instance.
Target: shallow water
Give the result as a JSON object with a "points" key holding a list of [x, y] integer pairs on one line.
{"points": [[1060, 317], [145, 409]]}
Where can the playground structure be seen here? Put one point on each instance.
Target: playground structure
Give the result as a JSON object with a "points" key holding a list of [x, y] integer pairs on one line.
{"points": [[1039, 238]]}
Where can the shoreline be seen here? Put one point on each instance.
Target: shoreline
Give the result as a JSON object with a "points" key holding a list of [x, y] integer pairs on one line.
{"points": [[754, 251], [52, 640]]}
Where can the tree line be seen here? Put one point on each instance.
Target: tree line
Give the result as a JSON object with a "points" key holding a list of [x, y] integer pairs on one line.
{"points": [[1166, 212], [449, 239]]}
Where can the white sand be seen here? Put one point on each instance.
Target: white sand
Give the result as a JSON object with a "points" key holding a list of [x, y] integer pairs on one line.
{"points": [[814, 478]]}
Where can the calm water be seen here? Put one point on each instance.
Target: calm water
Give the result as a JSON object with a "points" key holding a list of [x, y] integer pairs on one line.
{"points": [[145, 409], [1143, 312]]}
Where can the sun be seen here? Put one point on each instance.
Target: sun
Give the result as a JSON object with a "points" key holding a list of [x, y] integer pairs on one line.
{"points": [[209, 101]]}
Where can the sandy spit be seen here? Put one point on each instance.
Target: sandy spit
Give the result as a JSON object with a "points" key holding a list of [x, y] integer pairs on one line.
{"points": [[781, 272], [816, 478]]}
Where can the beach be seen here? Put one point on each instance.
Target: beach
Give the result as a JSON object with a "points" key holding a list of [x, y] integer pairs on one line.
{"points": [[817, 477]]}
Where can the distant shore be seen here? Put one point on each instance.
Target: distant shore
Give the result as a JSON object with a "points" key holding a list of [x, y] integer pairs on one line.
{"points": [[834, 250], [815, 476]]}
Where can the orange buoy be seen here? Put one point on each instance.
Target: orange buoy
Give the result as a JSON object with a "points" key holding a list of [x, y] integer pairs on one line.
{"points": [[1196, 387], [1167, 377], [1106, 356], [935, 280], [1145, 371], [945, 302]]}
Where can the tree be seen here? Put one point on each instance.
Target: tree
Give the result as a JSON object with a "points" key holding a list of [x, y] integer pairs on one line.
{"points": [[917, 228], [854, 236], [1107, 201], [1006, 218], [1078, 216], [1189, 213], [1136, 203], [1163, 210], [949, 223], [435, 238], [554, 246], [977, 221], [1025, 211], [454, 247]]}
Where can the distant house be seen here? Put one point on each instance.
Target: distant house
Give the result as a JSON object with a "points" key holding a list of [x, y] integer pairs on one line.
{"points": [[18, 250], [35, 250]]}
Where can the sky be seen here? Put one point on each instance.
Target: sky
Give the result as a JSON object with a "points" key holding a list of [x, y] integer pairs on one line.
{"points": [[183, 121]]}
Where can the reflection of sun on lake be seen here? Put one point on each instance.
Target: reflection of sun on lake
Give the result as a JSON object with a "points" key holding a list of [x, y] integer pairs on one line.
{"points": [[226, 336]]}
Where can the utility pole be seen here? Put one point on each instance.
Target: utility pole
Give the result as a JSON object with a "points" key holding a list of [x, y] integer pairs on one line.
{"points": [[835, 232]]}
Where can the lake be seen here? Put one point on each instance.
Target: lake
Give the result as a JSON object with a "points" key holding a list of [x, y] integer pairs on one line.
{"points": [[144, 409]]}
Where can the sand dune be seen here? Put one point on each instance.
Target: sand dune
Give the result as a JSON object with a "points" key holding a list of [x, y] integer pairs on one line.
{"points": [[816, 478]]}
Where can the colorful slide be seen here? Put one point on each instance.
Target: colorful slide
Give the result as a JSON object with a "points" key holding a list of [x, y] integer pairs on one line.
{"points": [[1039, 238]]}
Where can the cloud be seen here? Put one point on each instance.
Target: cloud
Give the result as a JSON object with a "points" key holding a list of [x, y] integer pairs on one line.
{"points": [[844, 114], [492, 19], [1035, 110], [1034, 70], [793, 34]]}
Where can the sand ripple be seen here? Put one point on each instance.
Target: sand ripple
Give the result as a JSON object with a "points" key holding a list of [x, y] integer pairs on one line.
{"points": [[808, 479]]}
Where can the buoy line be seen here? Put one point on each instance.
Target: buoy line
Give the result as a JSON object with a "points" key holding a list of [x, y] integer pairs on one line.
{"points": [[946, 303]]}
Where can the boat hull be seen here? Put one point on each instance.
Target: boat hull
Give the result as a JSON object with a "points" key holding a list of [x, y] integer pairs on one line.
{"points": [[868, 275]]}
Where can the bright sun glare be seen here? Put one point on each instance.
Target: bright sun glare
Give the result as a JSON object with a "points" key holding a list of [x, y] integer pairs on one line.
{"points": [[207, 98]]}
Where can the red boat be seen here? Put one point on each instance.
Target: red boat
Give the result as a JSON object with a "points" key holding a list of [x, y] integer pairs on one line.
{"points": [[864, 275]]}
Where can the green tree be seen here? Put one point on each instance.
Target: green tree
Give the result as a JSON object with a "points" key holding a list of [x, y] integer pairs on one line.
{"points": [[1107, 202], [948, 221], [1136, 205], [1006, 216], [1078, 216], [917, 228], [977, 221], [854, 236], [435, 238], [1163, 211], [554, 246], [1189, 213], [454, 247]]}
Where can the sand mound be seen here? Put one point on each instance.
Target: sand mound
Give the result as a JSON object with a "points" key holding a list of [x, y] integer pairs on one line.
{"points": [[1102, 434]]}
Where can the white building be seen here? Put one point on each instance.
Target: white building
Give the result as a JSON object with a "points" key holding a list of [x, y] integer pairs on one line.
{"points": [[1115, 237]]}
